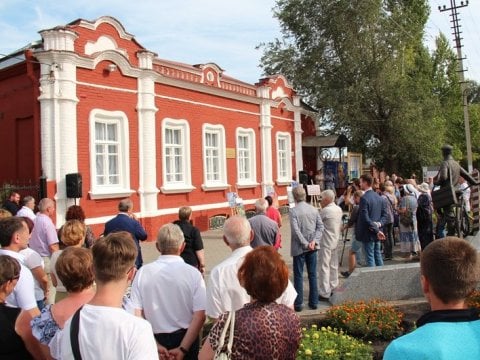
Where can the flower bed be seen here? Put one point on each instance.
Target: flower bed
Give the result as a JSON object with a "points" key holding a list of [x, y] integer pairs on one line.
{"points": [[474, 300], [372, 320], [371, 315], [330, 343]]}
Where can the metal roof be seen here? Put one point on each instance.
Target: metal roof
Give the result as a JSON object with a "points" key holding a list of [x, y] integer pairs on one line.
{"points": [[325, 141]]}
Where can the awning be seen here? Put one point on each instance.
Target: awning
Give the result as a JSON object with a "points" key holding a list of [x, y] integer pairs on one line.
{"points": [[339, 141]]}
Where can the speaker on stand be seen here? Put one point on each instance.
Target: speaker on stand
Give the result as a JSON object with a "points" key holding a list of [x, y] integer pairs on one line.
{"points": [[74, 185]]}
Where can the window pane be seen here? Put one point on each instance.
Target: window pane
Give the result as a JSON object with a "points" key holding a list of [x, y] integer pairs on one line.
{"points": [[168, 136], [100, 164], [174, 155], [112, 132], [99, 131], [107, 153]]}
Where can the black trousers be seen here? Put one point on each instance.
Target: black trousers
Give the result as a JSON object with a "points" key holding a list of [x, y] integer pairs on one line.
{"points": [[389, 240], [173, 340]]}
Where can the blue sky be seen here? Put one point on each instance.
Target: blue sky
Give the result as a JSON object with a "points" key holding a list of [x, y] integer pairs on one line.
{"points": [[198, 31]]}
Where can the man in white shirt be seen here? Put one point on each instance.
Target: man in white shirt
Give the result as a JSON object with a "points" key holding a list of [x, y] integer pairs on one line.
{"points": [[35, 263], [106, 331], [14, 236], [170, 294], [331, 215], [27, 208], [224, 292]]}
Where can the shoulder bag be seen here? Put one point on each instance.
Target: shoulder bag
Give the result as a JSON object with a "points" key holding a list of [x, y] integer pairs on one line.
{"points": [[74, 329], [226, 355], [445, 196], [406, 219]]}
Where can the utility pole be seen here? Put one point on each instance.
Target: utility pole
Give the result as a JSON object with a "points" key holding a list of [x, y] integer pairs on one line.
{"points": [[463, 85]]}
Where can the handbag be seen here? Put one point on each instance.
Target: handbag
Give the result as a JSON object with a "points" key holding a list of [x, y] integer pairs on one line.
{"points": [[406, 219], [226, 355], [445, 196]]}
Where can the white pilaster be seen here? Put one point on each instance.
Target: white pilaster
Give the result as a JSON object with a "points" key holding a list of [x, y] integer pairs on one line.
{"points": [[58, 111], [265, 138], [298, 134], [147, 135]]}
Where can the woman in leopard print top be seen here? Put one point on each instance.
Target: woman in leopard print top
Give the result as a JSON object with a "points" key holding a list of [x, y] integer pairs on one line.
{"points": [[263, 329]]}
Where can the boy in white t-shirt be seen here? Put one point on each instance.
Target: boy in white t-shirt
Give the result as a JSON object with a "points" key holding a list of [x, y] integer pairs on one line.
{"points": [[106, 331]]}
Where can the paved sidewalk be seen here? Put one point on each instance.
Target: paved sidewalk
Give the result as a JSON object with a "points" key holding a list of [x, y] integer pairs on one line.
{"points": [[216, 251]]}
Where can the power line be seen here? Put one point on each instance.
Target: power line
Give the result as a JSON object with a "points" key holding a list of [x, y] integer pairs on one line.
{"points": [[458, 45]]}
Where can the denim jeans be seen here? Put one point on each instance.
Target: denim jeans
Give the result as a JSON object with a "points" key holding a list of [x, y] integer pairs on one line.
{"points": [[440, 232], [373, 253], [310, 258]]}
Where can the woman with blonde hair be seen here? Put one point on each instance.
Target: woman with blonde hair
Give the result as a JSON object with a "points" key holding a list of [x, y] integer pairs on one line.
{"points": [[72, 234], [75, 212]]}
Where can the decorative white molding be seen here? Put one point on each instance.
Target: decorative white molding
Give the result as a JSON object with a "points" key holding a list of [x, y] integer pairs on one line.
{"points": [[211, 71], [250, 134], [107, 20], [207, 187], [221, 183], [128, 70], [288, 143], [58, 115], [246, 185], [185, 186], [145, 59], [58, 39], [147, 148], [265, 125], [111, 191], [110, 194], [169, 189], [279, 93], [103, 43], [174, 210], [298, 142]]}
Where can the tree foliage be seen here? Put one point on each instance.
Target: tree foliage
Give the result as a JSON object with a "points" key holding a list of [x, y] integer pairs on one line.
{"points": [[363, 64]]}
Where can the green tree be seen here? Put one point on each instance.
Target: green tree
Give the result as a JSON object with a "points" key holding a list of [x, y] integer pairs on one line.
{"points": [[363, 64]]}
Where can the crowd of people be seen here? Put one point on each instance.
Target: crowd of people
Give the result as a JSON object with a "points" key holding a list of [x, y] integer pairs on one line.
{"points": [[75, 288], [62, 291]]}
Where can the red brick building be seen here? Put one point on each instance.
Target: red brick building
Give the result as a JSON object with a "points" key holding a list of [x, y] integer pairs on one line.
{"points": [[89, 99]]}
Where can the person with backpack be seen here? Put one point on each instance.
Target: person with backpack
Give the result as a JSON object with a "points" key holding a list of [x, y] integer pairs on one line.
{"points": [[407, 209], [424, 216]]}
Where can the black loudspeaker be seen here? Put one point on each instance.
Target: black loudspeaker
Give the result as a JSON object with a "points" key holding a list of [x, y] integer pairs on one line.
{"points": [[302, 177], [74, 185]]}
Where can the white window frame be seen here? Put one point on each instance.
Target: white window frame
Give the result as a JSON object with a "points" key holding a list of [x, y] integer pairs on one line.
{"points": [[185, 185], [221, 183], [251, 180], [284, 176], [122, 189]]}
